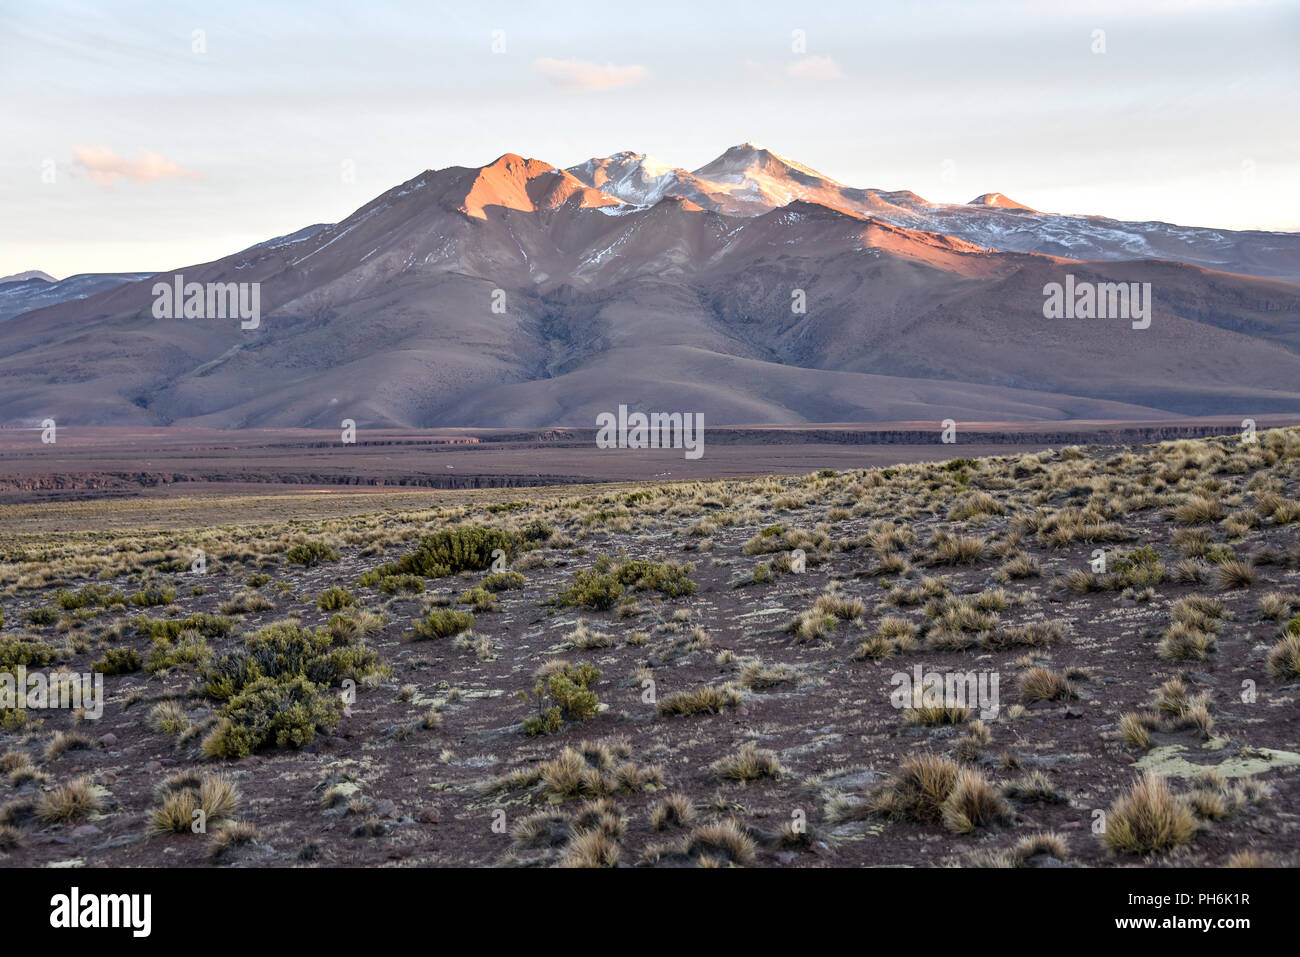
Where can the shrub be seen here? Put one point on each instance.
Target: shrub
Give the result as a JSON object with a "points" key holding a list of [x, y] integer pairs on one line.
{"points": [[41, 616], [570, 698], [117, 661], [150, 597], [592, 588], [285, 712], [1138, 567], [15, 651], [503, 581], [286, 650], [466, 548], [334, 598], [441, 623], [311, 554]]}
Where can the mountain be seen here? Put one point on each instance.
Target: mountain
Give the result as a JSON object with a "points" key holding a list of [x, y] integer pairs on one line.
{"points": [[748, 180], [39, 290], [521, 294], [29, 274]]}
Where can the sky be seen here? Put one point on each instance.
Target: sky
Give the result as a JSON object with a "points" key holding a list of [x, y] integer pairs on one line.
{"points": [[145, 136]]}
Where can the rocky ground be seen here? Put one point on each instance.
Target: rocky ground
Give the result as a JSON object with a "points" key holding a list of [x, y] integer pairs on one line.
{"points": [[809, 595]]}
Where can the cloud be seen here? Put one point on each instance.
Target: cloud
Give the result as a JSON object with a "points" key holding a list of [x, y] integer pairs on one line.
{"points": [[106, 167], [807, 67], [583, 75]]}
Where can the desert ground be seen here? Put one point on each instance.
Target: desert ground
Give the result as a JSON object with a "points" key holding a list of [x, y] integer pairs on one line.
{"points": [[668, 672]]}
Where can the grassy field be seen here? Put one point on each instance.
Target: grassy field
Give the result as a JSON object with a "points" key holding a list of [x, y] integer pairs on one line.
{"points": [[673, 674]]}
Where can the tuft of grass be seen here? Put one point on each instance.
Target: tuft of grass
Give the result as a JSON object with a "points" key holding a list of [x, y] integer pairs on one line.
{"points": [[1234, 573], [1284, 657], [672, 811], [1043, 684], [71, 801], [709, 699], [1148, 819], [750, 763]]}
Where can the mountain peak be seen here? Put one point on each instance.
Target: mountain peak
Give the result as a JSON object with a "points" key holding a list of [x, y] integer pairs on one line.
{"points": [[29, 274], [749, 159], [999, 201], [512, 182]]}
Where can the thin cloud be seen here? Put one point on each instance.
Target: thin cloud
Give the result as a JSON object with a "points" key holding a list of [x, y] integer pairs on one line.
{"points": [[575, 74], [105, 166], [806, 67]]}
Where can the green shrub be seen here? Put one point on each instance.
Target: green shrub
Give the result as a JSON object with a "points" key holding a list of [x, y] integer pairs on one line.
{"points": [[390, 584], [563, 695], [311, 553], [187, 648], [441, 623], [466, 548], [149, 597], [334, 598], [15, 651], [1139, 567], [98, 596], [118, 661], [602, 585], [480, 598], [592, 588], [169, 629], [285, 650], [42, 616], [667, 578], [536, 532], [286, 712], [257, 580], [500, 581]]}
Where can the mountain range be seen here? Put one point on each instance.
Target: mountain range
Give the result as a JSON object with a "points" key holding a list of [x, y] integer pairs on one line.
{"points": [[753, 290]]}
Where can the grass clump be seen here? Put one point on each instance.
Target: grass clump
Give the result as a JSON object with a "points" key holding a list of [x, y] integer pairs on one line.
{"points": [[1148, 819], [709, 699]]}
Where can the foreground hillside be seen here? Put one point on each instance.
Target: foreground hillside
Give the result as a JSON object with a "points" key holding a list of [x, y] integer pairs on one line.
{"points": [[682, 674]]}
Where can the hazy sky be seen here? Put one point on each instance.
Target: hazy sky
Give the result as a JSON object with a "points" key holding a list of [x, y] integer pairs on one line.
{"points": [[131, 142]]}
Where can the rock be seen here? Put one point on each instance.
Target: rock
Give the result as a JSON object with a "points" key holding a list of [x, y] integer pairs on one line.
{"points": [[85, 832], [1074, 712], [108, 740], [385, 808], [153, 767], [428, 815]]}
